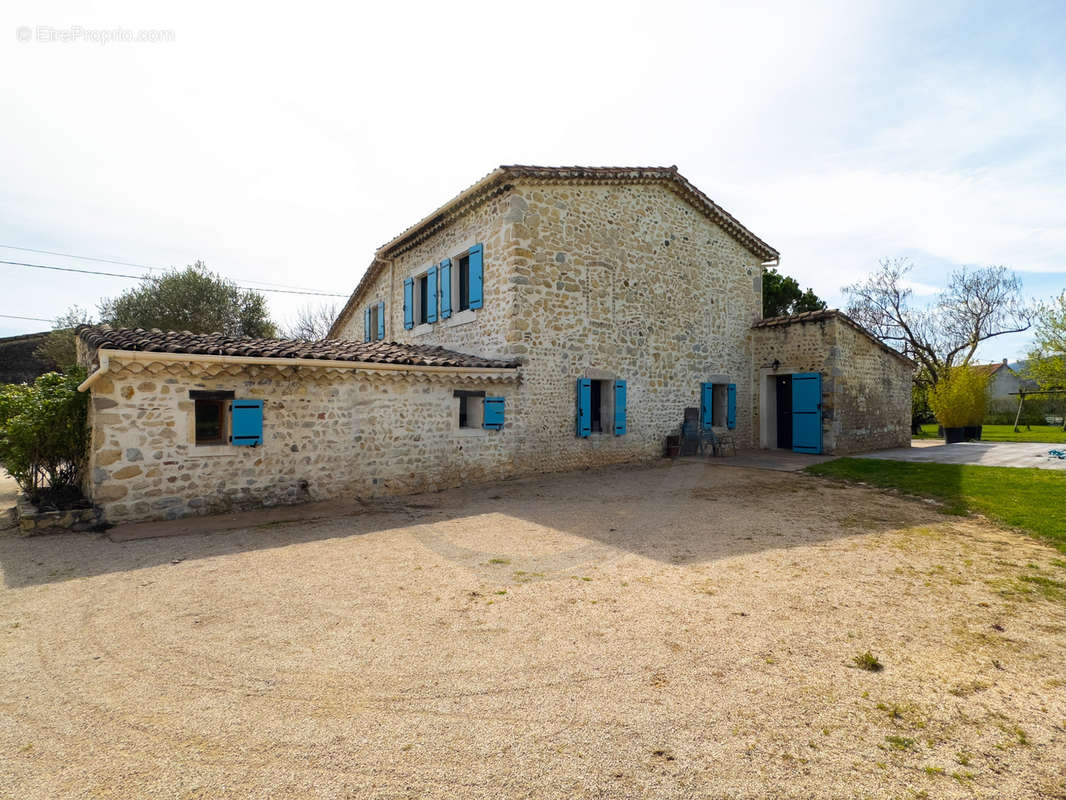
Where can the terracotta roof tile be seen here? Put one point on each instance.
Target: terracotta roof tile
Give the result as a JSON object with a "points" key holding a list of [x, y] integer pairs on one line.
{"points": [[157, 341]]}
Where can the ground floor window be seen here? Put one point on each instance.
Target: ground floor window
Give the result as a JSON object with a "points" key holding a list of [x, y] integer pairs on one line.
{"points": [[210, 415], [601, 406], [471, 408]]}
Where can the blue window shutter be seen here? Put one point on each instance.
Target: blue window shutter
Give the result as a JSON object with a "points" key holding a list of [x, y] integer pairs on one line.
{"points": [[366, 324], [381, 320], [493, 413], [476, 276], [584, 407], [619, 408], [246, 422], [408, 303], [731, 406], [445, 288], [706, 405], [431, 295]]}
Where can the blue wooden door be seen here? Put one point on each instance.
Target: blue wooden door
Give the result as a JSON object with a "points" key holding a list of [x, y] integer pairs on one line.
{"points": [[706, 405], [807, 412]]}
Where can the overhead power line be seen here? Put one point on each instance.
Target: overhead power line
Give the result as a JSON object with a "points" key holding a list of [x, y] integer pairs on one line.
{"points": [[143, 266], [36, 319], [145, 277]]}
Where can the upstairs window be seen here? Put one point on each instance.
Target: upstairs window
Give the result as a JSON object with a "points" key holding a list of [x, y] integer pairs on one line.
{"points": [[422, 303], [462, 269]]}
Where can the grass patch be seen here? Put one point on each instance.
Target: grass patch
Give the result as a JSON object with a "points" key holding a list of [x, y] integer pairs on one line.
{"points": [[899, 742], [1021, 498], [868, 661], [499, 561], [1052, 434]]}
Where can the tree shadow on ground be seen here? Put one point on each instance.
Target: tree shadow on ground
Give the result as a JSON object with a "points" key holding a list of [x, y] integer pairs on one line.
{"points": [[672, 513]]}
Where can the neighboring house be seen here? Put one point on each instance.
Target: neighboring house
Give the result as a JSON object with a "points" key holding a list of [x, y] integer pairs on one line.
{"points": [[18, 361], [1003, 382], [544, 319]]}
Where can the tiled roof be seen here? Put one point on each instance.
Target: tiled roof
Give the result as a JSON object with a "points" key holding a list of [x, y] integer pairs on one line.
{"points": [[501, 179], [216, 344], [990, 369], [827, 314]]}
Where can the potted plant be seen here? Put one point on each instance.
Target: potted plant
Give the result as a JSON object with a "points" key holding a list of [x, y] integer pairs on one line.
{"points": [[959, 401]]}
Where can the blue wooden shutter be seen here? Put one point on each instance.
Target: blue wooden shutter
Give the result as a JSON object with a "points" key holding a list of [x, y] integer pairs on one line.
{"points": [[366, 324], [381, 320], [706, 405], [731, 406], [619, 408], [476, 276], [584, 407], [445, 288], [493, 413], [246, 422], [807, 412], [431, 295], [408, 303]]}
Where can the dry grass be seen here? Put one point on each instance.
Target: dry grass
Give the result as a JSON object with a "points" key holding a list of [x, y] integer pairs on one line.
{"points": [[680, 631]]}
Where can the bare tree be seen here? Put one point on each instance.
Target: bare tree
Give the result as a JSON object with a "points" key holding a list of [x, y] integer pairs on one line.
{"points": [[978, 304], [312, 323]]}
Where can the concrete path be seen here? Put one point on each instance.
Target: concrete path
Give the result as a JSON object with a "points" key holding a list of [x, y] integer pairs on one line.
{"points": [[985, 454]]}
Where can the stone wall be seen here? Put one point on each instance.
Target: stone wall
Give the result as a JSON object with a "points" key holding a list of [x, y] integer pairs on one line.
{"points": [[326, 433], [599, 281], [866, 389]]}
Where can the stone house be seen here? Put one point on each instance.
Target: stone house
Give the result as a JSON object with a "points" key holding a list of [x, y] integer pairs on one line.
{"points": [[544, 319]]}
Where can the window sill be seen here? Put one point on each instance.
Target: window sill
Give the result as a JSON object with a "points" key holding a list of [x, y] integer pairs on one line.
{"points": [[461, 318], [468, 432], [422, 330]]}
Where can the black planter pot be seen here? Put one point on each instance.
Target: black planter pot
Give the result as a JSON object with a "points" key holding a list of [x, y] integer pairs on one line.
{"points": [[954, 435], [972, 433]]}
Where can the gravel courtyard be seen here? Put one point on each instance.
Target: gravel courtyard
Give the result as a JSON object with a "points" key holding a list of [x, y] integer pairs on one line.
{"points": [[678, 631]]}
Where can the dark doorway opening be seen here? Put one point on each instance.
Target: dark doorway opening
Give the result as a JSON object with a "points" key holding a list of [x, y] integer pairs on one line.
{"points": [[784, 411]]}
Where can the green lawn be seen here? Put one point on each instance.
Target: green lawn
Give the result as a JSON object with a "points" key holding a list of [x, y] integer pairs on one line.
{"points": [[1005, 433], [1033, 499]]}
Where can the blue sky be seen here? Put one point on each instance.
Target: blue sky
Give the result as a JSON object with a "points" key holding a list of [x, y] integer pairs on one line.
{"points": [[284, 149]]}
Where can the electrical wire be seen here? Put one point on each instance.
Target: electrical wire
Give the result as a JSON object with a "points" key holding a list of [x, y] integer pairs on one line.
{"points": [[142, 266], [145, 277]]}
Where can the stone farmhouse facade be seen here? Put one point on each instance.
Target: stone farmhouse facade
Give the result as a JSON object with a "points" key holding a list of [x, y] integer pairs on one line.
{"points": [[544, 319]]}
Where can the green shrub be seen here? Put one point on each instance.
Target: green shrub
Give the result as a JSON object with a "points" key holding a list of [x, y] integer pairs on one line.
{"points": [[960, 398], [44, 433]]}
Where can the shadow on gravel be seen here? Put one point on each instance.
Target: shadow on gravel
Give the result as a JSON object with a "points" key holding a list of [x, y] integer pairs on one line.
{"points": [[674, 513]]}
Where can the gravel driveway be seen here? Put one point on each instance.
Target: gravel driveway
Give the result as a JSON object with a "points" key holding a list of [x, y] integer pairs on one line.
{"points": [[680, 631]]}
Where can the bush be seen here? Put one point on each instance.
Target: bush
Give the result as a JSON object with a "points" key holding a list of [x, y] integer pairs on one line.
{"points": [[960, 398], [1035, 411], [44, 434]]}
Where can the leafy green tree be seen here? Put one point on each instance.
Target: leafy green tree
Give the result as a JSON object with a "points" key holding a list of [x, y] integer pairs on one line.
{"points": [[1047, 358], [193, 299], [58, 348], [44, 436], [782, 295]]}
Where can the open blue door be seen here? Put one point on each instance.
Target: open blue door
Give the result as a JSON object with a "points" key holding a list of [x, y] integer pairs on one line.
{"points": [[807, 412], [706, 405]]}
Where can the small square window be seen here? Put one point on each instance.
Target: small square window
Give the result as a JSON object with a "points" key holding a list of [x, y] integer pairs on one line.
{"points": [[471, 409], [210, 421]]}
